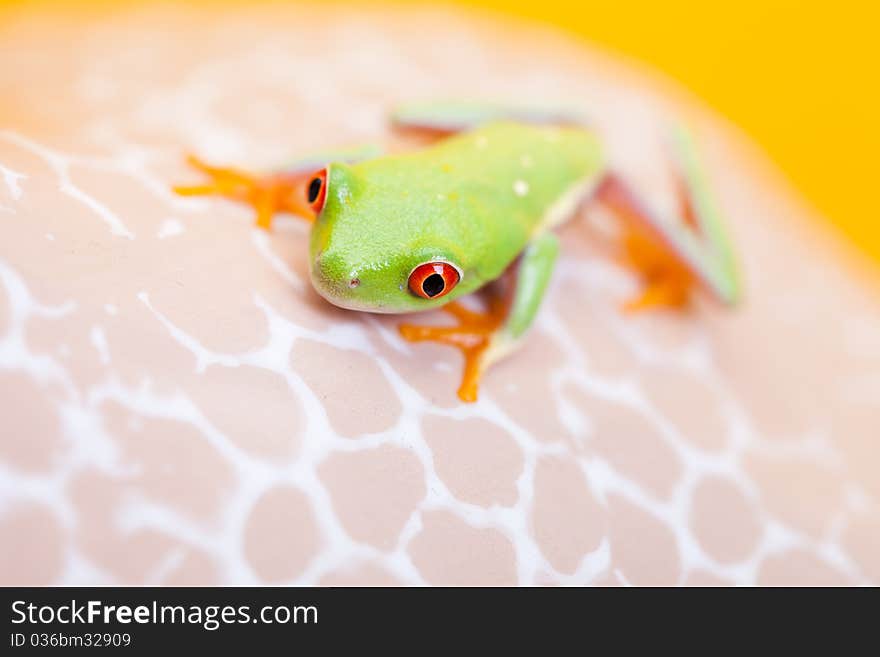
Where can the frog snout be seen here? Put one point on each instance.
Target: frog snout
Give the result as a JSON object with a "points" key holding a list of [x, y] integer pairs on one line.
{"points": [[332, 277]]}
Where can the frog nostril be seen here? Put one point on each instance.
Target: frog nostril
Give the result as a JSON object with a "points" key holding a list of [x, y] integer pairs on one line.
{"points": [[354, 282]]}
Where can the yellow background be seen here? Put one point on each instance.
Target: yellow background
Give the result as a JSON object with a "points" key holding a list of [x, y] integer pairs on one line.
{"points": [[800, 76]]}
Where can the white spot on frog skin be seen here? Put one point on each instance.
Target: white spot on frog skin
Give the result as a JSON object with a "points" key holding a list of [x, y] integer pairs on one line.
{"points": [[520, 188], [482, 141], [111, 309], [526, 161], [50, 237], [170, 228], [441, 197]]}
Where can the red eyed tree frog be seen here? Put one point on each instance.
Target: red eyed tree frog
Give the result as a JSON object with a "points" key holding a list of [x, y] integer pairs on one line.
{"points": [[415, 231]]}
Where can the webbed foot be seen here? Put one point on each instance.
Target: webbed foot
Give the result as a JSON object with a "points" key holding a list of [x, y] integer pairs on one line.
{"points": [[267, 194], [476, 335]]}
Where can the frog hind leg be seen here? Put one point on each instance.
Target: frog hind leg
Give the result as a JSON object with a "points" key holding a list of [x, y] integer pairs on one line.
{"points": [[441, 118], [486, 337], [678, 256], [283, 190]]}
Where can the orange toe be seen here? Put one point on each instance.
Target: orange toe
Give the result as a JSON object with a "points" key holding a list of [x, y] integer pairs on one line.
{"points": [[660, 294], [472, 336], [667, 282], [267, 194]]}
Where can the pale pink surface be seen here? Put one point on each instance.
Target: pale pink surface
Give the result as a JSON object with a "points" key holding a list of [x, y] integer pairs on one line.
{"points": [[178, 406]]}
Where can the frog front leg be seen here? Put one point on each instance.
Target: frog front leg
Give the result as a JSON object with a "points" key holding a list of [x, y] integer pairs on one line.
{"points": [[283, 190], [486, 337]]}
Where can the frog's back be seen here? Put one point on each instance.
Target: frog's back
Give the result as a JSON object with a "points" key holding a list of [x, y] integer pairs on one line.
{"points": [[491, 188], [522, 169]]}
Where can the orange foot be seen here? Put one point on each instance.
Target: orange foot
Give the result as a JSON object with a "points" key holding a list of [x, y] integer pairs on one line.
{"points": [[667, 282], [474, 336], [267, 194]]}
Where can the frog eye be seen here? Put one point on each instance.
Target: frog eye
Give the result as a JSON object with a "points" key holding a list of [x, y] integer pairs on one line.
{"points": [[432, 280], [316, 191]]}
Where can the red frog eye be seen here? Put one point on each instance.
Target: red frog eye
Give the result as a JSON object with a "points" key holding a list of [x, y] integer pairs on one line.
{"points": [[316, 191], [433, 280]]}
